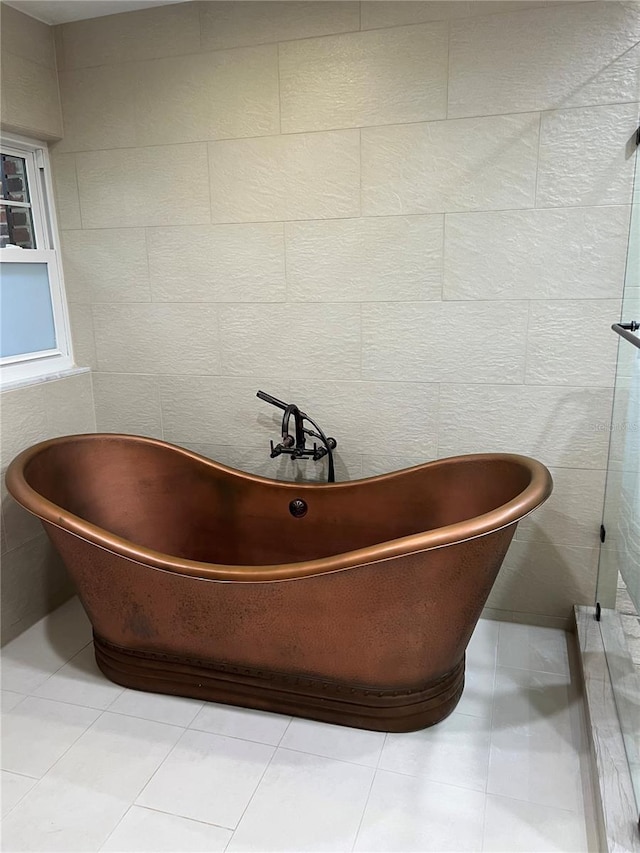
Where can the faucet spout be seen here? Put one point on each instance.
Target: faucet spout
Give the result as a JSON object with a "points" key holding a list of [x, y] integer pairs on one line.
{"points": [[298, 418]]}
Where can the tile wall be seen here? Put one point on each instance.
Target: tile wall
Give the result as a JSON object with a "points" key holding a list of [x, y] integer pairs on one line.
{"points": [[409, 218], [33, 580]]}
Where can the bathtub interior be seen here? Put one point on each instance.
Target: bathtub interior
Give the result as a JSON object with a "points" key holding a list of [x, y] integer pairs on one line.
{"points": [[181, 505]]}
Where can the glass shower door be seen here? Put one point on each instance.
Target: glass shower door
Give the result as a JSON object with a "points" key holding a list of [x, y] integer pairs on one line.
{"points": [[618, 591]]}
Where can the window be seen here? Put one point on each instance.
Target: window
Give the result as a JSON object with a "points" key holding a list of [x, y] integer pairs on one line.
{"points": [[34, 327]]}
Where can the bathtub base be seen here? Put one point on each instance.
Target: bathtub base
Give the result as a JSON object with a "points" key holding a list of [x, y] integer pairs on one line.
{"points": [[316, 699]]}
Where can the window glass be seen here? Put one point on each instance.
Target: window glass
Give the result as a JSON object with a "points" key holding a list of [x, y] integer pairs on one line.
{"points": [[34, 325], [26, 312]]}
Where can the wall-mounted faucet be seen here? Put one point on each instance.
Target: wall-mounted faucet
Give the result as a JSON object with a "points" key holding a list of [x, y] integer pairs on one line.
{"points": [[296, 447]]}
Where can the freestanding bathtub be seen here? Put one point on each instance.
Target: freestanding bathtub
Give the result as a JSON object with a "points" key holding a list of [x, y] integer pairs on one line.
{"points": [[351, 603]]}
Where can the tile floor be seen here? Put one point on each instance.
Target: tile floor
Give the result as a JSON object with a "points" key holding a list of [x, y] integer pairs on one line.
{"points": [[88, 766]]}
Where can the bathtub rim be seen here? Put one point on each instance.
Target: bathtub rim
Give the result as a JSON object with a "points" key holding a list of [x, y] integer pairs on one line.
{"points": [[533, 495]]}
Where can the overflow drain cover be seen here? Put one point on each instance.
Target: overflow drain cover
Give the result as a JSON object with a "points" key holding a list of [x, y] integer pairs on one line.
{"points": [[298, 508]]}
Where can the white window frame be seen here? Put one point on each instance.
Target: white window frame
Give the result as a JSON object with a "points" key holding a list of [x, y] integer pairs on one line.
{"points": [[29, 367]]}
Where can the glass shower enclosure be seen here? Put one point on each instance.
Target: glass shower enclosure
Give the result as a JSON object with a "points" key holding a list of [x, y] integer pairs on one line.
{"points": [[618, 589]]}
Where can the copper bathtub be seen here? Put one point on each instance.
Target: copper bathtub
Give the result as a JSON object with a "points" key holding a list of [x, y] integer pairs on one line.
{"points": [[200, 580]]}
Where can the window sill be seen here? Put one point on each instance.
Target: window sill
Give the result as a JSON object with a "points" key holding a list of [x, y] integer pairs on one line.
{"points": [[38, 380]]}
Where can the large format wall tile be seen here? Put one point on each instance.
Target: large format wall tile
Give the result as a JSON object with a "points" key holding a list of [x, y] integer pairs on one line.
{"points": [[23, 421], [30, 97], [394, 13], [563, 55], [27, 37], [220, 95], [84, 344], [572, 173], [374, 417], [219, 263], [127, 402], [554, 425], [34, 582], [218, 407], [536, 254], [65, 187], [145, 34], [573, 513], [230, 24], [18, 525], [329, 83], [107, 265], [384, 258], [155, 338], [474, 164], [571, 343], [98, 108], [304, 176], [545, 578], [166, 185], [68, 405], [301, 341], [444, 342]]}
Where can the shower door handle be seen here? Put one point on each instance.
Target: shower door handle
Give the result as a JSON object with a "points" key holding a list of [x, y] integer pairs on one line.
{"points": [[626, 330]]}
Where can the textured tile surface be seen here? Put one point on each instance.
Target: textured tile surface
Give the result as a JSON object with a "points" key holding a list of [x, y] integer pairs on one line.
{"points": [[216, 405], [395, 258], [156, 338], [573, 513], [557, 331], [551, 424], [536, 254], [161, 186], [326, 83], [68, 405], [563, 574], [30, 97], [84, 344], [409, 168], [106, 265], [65, 186], [27, 37], [306, 329], [127, 402], [98, 107], [223, 263], [303, 176], [419, 342], [395, 13], [374, 417], [144, 34], [570, 173], [560, 55], [241, 98], [225, 24]]}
